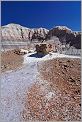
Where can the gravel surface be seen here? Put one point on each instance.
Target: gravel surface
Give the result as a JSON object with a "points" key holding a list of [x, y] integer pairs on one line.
{"points": [[28, 85], [57, 93]]}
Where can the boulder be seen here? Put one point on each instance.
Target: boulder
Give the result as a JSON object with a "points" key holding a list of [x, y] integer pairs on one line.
{"points": [[20, 52]]}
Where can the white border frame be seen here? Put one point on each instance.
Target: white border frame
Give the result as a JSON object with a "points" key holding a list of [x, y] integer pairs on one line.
{"points": [[81, 47]]}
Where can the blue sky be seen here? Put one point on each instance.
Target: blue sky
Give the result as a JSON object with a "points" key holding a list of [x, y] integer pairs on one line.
{"points": [[42, 14]]}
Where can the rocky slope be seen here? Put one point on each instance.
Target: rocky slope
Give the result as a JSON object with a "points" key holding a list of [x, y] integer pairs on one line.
{"points": [[66, 36], [15, 32]]}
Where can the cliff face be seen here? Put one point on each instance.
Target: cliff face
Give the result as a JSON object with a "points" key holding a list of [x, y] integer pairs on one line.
{"points": [[15, 32]]}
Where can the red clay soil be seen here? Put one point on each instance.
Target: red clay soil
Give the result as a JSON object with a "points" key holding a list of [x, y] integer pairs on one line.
{"points": [[10, 61], [58, 96]]}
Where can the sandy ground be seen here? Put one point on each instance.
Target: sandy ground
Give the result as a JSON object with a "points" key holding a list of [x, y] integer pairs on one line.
{"points": [[46, 88], [14, 85], [10, 61]]}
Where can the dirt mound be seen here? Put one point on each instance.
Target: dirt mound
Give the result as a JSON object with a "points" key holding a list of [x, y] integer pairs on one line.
{"points": [[65, 71], [10, 60]]}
